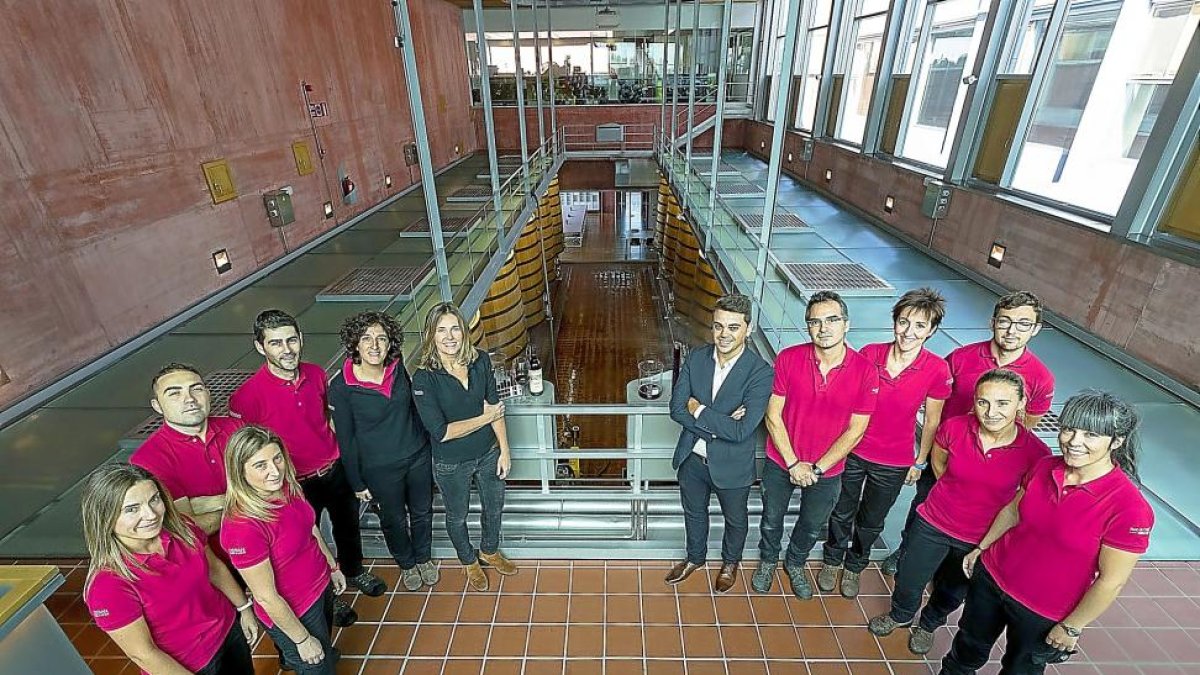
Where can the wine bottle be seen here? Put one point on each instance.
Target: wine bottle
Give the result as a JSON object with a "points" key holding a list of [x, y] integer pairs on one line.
{"points": [[536, 386]]}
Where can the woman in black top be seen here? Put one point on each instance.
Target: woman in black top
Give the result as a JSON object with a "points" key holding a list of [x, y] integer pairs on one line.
{"points": [[384, 446], [456, 396]]}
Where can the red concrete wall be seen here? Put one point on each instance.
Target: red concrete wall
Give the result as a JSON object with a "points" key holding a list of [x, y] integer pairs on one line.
{"points": [[1124, 292], [111, 106], [508, 133]]}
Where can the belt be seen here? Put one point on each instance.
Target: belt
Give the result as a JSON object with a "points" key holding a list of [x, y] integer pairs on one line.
{"points": [[701, 457], [319, 473]]}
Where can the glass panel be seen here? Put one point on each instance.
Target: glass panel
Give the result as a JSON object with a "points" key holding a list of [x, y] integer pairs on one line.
{"points": [[1027, 36], [869, 7], [1100, 99], [864, 63], [807, 113], [951, 43]]}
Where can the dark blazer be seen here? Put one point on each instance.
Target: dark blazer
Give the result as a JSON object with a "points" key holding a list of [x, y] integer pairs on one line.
{"points": [[731, 443]]}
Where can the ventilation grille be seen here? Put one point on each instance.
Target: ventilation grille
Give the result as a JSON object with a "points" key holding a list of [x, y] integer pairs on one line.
{"points": [[451, 225], [749, 189], [220, 383], [1048, 425], [471, 193], [846, 278], [375, 284], [780, 221]]}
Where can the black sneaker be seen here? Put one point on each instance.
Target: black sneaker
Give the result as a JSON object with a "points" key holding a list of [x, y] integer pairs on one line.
{"points": [[343, 614], [368, 583], [891, 563]]}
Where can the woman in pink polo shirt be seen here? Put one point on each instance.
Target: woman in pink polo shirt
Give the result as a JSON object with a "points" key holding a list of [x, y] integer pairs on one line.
{"points": [[980, 460], [154, 584], [271, 536], [1058, 554]]}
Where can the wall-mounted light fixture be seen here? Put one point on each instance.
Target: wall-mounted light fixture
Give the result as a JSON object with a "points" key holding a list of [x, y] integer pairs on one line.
{"points": [[387, 180], [996, 255], [221, 261], [762, 145], [789, 158], [328, 209], [828, 175], [889, 203]]}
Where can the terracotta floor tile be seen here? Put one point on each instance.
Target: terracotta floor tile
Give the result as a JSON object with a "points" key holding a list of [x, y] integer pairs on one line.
{"points": [[780, 642], [874, 605], [469, 640], [503, 666], [457, 667], [1183, 611], [709, 667], [622, 640], [770, 609], [697, 609], [806, 612], [623, 609], [544, 667], [587, 580], [553, 580], [819, 642], [546, 641], [267, 666], [477, 608], [108, 665], [508, 641], [914, 668], [522, 582], [747, 667], [390, 574], [393, 639], [514, 609], [660, 609], [621, 580], [623, 666], [698, 582], [663, 642], [894, 646], [431, 640], [371, 610], [550, 608], [828, 668], [585, 641], [587, 609], [733, 610], [1186, 580], [844, 611], [788, 667], [354, 640], [381, 666], [652, 581], [741, 642], [665, 667], [869, 668], [442, 608], [349, 666], [90, 641], [871, 582], [406, 607], [701, 642], [584, 667]]}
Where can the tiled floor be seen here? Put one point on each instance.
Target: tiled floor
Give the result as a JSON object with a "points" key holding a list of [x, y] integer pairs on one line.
{"points": [[618, 617]]}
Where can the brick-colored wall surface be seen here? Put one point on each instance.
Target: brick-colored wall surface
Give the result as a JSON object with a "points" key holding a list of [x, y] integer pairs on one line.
{"points": [[1125, 293], [585, 118], [110, 108]]}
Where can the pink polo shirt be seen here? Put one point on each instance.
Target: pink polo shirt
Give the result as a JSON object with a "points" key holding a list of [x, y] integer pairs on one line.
{"points": [[968, 362], [891, 434], [296, 411], [186, 465], [1049, 560], [300, 568], [385, 387], [187, 616], [817, 409], [977, 484]]}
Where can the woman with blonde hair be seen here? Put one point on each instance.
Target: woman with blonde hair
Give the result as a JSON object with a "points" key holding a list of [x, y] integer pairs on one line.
{"points": [[155, 586], [455, 392], [271, 535]]}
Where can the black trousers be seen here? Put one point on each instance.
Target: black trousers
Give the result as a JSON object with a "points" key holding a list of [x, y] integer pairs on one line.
{"points": [[924, 485], [332, 493], [990, 612], [931, 555], [318, 620], [695, 489], [816, 503], [868, 492], [233, 657], [404, 492]]}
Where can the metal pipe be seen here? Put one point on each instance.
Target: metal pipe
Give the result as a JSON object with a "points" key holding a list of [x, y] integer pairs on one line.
{"points": [[489, 124], [662, 127], [675, 73], [718, 130], [537, 58], [512, 9], [553, 86], [691, 118]]}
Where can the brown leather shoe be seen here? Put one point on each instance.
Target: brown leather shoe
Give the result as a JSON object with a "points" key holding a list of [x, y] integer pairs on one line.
{"points": [[681, 571], [476, 577], [726, 578], [498, 562]]}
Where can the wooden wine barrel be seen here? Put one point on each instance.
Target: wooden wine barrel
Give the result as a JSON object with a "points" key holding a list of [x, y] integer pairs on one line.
{"points": [[550, 209], [475, 330], [684, 276], [671, 235], [502, 315], [660, 213], [529, 269], [708, 291]]}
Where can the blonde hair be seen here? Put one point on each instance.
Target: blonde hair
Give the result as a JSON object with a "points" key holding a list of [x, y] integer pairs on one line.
{"points": [[242, 499], [103, 498], [428, 357]]}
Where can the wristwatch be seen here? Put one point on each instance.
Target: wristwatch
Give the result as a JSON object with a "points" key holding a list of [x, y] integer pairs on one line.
{"points": [[817, 470], [921, 466], [1071, 630]]}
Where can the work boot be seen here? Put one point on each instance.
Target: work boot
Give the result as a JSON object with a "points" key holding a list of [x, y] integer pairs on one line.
{"points": [[368, 583], [849, 584], [682, 570], [429, 572], [920, 641], [883, 625], [827, 578], [343, 614], [410, 578], [476, 577], [891, 563], [763, 577], [501, 564], [801, 588]]}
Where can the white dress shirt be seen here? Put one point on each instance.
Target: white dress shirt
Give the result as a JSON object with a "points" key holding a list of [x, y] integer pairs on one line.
{"points": [[719, 374]]}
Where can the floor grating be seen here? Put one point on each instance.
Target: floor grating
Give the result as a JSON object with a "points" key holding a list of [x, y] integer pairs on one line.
{"points": [[220, 384], [845, 278], [376, 284]]}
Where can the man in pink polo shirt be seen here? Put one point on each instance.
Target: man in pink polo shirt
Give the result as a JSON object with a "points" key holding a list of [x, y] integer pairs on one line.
{"points": [[1016, 319], [187, 453], [289, 397], [821, 402]]}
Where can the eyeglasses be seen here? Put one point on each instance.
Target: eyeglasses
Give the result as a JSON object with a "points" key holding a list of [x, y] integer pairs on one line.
{"points": [[827, 321], [1004, 323]]}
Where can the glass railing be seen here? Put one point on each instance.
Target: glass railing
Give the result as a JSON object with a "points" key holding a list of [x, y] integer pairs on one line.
{"points": [[600, 89]]}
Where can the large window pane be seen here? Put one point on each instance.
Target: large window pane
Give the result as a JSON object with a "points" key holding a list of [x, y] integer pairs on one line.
{"points": [[1100, 99], [950, 42], [864, 63], [807, 114]]}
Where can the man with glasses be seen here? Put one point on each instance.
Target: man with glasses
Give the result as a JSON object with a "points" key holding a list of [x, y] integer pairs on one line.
{"points": [[821, 401], [1016, 319]]}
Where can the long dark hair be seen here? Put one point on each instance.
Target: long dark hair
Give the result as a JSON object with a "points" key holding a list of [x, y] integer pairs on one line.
{"points": [[1102, 412]]}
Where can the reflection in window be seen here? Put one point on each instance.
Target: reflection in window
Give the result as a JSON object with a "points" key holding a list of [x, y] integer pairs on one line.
{"points": [[860, 81], [810, 61], [1101, 97]]}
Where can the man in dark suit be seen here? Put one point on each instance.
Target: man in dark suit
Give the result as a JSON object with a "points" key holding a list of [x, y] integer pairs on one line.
{"points": [[720, 399]]}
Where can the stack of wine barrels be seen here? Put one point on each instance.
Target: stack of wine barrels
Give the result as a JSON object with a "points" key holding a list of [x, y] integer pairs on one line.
{"points": [[708, 291], [683, 275], [502, 315], [529, 268], [660, 213], [692, 277], [550, 215]]}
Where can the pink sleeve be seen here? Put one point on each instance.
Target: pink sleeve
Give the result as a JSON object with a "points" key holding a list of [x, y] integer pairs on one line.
{"points": [[779, 388], [239, 405], [1129, 528], [942, 437], [942, 382], [155, 465], [245, 541], [112, 601], [1041, 395], [868, 391]]}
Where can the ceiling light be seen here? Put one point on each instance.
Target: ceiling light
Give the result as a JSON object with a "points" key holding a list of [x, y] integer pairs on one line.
{"points": [[221, 261], [889, 203]]}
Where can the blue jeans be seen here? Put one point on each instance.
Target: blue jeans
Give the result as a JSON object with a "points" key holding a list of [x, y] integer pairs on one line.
{"points": [[404, 493], [454, 482], [318, 620], [816, 503]]}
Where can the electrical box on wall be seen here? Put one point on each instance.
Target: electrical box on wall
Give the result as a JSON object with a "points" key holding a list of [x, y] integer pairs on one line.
{"points": [[304, 163], [410, 154], [937, 199], [806, 150], [279, 208], [219, 180]]}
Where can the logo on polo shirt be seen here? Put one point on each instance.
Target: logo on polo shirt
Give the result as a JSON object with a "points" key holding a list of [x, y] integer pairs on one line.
{"points": [[418, 392], [237, 551], [1140, 531], [100, 613]]}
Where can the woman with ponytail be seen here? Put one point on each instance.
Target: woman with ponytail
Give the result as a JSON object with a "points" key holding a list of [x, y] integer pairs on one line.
{"points": [[1058, 555]]}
